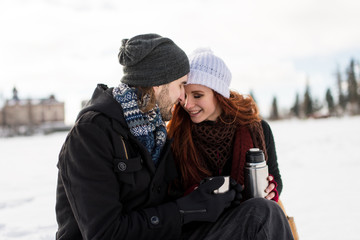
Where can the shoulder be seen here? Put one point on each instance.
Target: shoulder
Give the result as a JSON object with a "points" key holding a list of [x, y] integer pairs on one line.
{"points": [[265, 125], [96, 118], [87, 117], [91, 120], [91, 117], [88, 124], [267, 131], [108, 123]]}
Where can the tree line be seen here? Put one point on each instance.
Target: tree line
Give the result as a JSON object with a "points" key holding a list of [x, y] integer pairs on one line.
{"points": [[345, 101]]}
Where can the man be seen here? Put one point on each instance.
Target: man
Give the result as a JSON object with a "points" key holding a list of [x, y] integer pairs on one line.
{"points": [[116, 164]]}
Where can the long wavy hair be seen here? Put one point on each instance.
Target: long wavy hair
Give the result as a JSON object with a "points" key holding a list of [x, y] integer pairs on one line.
{"points": [[241, 109]]}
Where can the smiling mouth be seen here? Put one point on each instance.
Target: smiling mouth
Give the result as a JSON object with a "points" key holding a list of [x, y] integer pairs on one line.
{"points": [[193, 113]]}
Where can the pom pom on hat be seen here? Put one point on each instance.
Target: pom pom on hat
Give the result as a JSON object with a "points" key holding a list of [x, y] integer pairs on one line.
{"points": [[209, 70]]}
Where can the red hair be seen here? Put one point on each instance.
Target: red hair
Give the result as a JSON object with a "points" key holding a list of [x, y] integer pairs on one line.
{"points": [[238, 107]]}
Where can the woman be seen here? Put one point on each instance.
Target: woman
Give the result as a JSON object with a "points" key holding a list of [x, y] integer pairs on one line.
{"points": [[214, 127]]}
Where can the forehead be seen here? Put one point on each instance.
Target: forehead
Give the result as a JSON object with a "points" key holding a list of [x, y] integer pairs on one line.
{"points": [[178, 81], [197, 88]]}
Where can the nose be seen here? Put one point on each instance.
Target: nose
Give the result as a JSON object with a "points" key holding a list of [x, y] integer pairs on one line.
{"points": [[188, 104], [182, 95]]}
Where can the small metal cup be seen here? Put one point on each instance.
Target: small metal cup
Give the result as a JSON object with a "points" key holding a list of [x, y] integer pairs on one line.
{"points": [[225, 187]]}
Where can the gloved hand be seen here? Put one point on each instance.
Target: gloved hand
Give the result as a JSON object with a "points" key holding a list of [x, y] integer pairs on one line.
{"points": [[202, 204], [238, 191]]}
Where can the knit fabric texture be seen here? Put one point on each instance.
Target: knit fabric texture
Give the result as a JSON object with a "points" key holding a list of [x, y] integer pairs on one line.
{"points": [[247, 136], [151, 60], [209, 70], [219, 142], [215, 142], [148, 128]]}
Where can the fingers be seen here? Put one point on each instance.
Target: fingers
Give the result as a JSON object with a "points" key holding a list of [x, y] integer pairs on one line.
{"points": [[228, 197], [238, 198], [270, 188], [238, 191], [236, 186], [233, 182], [270, 196]]}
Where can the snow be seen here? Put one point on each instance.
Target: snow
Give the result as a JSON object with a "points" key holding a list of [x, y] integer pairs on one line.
{"points": [[319, 161], [320, 164]]}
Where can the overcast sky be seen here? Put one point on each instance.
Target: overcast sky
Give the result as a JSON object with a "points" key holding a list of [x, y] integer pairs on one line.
{"points": [[66, 47]]}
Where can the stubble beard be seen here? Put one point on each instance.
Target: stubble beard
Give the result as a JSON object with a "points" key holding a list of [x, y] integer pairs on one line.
{"points": [[165, 104]]}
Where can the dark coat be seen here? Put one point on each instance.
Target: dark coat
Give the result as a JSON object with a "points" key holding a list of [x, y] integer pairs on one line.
{"points": [[108, 186], [272, 157]]}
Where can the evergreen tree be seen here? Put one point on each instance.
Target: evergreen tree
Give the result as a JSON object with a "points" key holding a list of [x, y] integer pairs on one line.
{"points": [[330, 102], [295, 110], [341, 97], [308, 102], [352, 84], [274, 114], [316, 105]]}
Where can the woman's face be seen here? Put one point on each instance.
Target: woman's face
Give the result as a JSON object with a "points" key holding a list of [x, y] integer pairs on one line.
{"points": [[200, 103]]}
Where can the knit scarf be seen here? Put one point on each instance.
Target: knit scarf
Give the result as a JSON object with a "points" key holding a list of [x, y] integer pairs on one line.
{"points": [[214, 141], [148, 128], [247, 136], [218, 142]]}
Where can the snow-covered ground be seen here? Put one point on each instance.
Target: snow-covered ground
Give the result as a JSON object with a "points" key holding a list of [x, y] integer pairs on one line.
{"points": [[320, 165], [319, 161]]}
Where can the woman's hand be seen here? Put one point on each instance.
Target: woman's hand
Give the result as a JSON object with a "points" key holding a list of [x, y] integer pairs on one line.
{"points": [[269, 190]]}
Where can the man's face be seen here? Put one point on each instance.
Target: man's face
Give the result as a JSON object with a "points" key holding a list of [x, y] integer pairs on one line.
{"points": [[168, 95]]}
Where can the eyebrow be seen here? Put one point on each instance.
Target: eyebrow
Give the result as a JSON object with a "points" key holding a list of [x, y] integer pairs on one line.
{"points": [[197, 91]]}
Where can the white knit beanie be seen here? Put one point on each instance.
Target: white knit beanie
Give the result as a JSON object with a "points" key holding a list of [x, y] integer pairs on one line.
{"points": [[209, 70]]}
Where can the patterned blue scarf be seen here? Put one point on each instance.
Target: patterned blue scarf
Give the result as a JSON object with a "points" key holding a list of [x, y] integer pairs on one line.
{"points": [[148, 128]]}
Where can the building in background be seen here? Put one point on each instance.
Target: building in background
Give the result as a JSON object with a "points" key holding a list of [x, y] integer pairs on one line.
{"points": [[26, 117]]}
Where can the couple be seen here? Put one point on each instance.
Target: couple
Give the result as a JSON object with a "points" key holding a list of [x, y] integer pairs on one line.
{"points": [[120, 177]]}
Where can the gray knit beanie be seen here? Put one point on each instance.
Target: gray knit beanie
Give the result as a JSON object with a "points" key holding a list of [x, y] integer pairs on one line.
{"points": [[209, 70], [152, 60]]}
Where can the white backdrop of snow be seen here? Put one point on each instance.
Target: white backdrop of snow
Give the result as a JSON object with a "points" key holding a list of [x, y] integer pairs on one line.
{"points": [[319, 162]]}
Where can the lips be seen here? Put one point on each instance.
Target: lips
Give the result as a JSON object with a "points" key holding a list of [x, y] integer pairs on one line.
{"points": [[194, 113]]}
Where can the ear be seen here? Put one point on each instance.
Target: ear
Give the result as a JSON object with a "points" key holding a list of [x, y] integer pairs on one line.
{"points": [[157, 90]]}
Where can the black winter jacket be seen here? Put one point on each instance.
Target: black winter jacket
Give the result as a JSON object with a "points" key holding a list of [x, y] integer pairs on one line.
{"points": [[108, 186], [272, 157]]}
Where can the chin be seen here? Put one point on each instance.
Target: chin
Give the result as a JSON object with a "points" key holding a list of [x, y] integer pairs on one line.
{"points": [[195, 120]]}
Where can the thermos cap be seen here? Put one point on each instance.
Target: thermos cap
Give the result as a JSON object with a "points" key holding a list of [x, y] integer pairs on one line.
{"points": [[255, 155]]}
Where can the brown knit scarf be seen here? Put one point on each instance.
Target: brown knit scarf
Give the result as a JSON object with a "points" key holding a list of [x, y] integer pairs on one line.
{"points": [[213, 141], [217, 142]]}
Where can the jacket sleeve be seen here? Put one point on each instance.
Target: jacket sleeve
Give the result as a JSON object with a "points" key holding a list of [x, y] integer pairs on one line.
{"points": [[272, 158], [93, 191]]}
